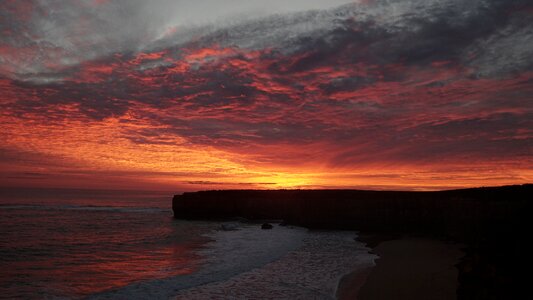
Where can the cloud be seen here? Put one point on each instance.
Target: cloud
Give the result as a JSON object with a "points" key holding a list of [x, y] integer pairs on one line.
{"points": [[41, 36], [305, 85]]}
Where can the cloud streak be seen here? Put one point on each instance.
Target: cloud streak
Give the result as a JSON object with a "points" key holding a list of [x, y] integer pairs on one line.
{"points": [[404, 94]]}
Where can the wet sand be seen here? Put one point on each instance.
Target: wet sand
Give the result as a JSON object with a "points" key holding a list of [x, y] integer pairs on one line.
{"points": [[350, 285], [408, 268]]}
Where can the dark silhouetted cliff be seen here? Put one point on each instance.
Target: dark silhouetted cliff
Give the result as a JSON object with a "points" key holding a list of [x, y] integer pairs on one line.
{"points": [[457, 213]]}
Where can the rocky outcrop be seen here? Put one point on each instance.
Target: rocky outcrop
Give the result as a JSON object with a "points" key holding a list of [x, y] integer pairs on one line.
{"points": [[267, 226]]}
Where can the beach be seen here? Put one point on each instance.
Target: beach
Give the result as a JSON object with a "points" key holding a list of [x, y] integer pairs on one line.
{"points": [[407, 268]]}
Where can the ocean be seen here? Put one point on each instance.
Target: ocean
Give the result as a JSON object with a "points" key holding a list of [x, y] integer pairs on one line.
{"points": [[74, 244]]}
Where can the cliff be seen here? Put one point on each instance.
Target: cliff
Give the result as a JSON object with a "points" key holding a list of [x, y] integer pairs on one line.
{"points": [[457, 213]]}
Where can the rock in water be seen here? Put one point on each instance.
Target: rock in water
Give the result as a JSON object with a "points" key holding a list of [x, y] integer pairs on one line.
{"points": [[266, 226]]}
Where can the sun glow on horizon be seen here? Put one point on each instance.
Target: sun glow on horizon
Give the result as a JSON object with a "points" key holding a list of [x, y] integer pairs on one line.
{"points": [[100, 149]]}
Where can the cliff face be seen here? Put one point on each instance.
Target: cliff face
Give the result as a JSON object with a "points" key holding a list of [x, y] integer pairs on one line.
{"points": [[457, 213]]}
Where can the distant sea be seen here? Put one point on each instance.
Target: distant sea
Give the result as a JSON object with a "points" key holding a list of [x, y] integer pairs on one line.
{"points": [[65, 243]]}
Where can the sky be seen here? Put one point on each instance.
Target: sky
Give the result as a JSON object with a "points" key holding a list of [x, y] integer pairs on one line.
{"points": [[223, 94]]}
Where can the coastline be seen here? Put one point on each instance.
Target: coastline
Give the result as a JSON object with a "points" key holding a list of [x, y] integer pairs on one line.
{"points": [[417, 235]]}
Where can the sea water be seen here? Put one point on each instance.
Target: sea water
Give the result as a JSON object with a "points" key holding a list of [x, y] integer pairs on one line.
{"points": [[121, 244]]}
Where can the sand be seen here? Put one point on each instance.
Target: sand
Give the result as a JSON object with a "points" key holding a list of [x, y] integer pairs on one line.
{"points": [[408, 268]]}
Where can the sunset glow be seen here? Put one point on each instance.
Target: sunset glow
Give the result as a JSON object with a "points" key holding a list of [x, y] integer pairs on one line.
{"points": [[352, 96]]}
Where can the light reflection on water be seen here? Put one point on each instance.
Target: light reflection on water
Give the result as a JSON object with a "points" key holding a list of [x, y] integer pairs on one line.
{"points": [[73, 250]]}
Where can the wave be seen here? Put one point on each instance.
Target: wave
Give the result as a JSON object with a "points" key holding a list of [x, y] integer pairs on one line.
{"points": [[285, 262]]}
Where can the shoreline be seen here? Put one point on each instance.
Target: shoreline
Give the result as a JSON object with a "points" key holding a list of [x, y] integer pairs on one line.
{"points": [[351, 283]]}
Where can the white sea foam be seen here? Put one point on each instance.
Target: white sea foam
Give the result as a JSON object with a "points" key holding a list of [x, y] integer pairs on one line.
{"points": [[311, 271], [282, 263]]}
